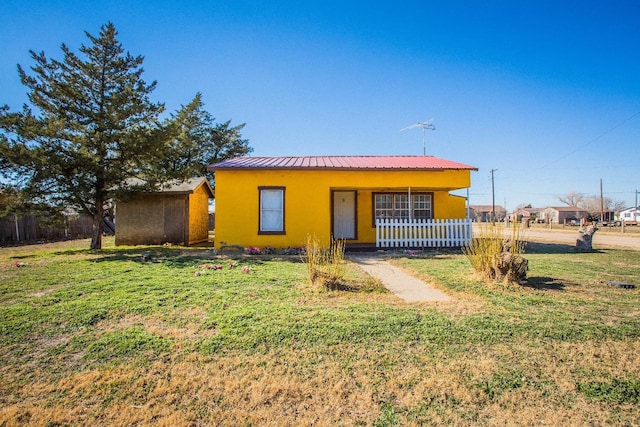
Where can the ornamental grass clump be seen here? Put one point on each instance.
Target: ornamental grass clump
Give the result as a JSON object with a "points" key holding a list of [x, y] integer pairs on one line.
{"points": [[496, 257], [325, 265]]}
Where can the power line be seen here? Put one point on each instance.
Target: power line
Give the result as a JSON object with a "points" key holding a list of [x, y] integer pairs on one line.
{"points": [[593, 140]]}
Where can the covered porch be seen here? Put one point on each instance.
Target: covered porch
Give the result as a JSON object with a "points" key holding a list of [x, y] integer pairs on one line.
{"points": [[399, 217]]}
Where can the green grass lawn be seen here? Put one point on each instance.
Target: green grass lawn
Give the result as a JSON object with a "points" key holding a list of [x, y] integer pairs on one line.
{"points": [[106, 338]]}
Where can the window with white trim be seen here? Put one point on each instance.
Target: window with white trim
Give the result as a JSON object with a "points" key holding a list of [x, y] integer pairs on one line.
{"points": [[396, 206], [271, 210], [421, 206]]}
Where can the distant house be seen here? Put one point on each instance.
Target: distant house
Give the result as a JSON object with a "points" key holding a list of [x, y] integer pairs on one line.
{"points": [[279, 201], [563, 214], [484, 213], [178, 213], [629, 215], [523, 214]]}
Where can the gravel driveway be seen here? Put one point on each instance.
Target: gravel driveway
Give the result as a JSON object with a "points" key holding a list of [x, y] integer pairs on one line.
{"points": [[569, 237]]}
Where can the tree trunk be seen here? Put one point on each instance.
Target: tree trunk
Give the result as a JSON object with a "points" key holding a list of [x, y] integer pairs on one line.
{"points": [[585, 238], [511, 267], [98, 226]]}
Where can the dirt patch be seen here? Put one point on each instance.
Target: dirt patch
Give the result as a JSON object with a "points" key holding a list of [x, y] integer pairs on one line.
{"points": [[43, 292], [188, 326]]}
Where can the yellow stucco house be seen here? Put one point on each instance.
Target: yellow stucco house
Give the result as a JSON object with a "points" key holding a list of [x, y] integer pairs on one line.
{"points": [[278, 201]]}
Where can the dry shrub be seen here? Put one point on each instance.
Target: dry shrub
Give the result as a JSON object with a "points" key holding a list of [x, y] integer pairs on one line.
{"points": [[496, 257], [325, 265]]}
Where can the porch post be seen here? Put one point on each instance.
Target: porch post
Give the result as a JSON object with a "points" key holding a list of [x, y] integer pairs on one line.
{"points": [[467, 202]]}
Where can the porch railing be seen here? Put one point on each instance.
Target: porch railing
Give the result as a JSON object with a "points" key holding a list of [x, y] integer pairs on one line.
{"points": [[422, 233]]}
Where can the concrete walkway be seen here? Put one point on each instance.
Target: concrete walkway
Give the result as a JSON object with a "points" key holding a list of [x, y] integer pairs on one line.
{"points": [[397, 281]]}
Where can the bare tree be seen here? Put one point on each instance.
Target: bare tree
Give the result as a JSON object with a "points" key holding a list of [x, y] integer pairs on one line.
{"points": [[572, 198], [591, 203]]}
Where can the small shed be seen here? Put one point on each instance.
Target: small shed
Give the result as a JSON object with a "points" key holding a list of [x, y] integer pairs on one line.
{"points": [[177, 213]]}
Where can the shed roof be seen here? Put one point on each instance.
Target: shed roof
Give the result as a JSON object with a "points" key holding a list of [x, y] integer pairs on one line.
{"points": [[188, 186], [176, 186], [343, 162]]}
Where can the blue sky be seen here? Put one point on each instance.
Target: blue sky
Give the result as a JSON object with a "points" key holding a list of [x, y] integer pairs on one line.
{"points": [[545, 92]]}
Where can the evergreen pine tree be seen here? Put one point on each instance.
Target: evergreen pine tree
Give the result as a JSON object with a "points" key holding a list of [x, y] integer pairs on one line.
{"points": [[90, 127], [195, 141]]}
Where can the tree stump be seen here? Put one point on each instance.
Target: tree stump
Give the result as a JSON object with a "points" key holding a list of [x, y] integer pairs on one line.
{"points": [[584, 242], [510, 267]]}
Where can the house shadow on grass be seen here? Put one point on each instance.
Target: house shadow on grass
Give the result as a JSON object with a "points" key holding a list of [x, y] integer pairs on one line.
{"points": [[553, 248], [176, 256]]}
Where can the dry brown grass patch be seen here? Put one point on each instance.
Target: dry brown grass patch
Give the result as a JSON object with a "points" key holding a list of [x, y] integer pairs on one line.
{"points": [[342, 385], [230, 390], [186, 325]]}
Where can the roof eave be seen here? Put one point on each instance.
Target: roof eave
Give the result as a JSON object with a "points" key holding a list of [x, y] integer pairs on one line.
{"points": [[404, 169]]}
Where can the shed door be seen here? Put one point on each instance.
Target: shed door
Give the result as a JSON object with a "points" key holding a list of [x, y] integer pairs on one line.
{"points": [[344, 214]]}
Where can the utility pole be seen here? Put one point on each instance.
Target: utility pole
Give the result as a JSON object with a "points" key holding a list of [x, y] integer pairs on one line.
{"points": [[493, 199], [601, 203]]}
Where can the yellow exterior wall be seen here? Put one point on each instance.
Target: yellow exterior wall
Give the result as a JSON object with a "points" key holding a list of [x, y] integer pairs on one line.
{"points": [[198, 215], [308, 208]]}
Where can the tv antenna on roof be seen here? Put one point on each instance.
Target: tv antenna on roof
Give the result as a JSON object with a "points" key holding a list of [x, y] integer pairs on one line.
{"points": [[424, 125]]}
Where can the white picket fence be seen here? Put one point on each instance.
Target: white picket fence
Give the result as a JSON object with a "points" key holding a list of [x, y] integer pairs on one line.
{"points": [[422, 233]]}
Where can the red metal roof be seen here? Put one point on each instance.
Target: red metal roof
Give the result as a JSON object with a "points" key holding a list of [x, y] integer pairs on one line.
{"points": [[342, 162]]}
